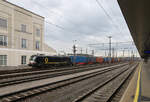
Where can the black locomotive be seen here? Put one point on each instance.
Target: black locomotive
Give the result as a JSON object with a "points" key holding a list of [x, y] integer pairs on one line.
{"points": [[47, 61]]}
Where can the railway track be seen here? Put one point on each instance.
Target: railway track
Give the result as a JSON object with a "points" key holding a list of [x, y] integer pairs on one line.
{"points": [[70, 92], [30, 69], [38, 75], [14, 96], [106, 90], [40, 71]]}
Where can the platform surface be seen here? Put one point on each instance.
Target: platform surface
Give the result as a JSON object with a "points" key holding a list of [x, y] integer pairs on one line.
{"points": [[145, 82], [138, 89]]}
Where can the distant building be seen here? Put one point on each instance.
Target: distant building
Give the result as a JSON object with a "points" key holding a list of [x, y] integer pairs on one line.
{"points": [[21, 35]]}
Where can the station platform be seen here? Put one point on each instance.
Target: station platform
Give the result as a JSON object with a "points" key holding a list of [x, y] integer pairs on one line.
{"points": [[10, 68], [138, 89]]}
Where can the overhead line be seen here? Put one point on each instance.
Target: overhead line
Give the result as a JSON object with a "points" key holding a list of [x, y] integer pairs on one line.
{"points": [[58, 26], [107, 14], [112, 43], [103, 9]]}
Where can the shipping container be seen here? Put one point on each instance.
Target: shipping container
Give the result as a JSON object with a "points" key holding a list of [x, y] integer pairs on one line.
{"points": [[91, 60], [99, 60], [94, 59], [116, 60], [79, 59], [112, 60], [107, 60]]}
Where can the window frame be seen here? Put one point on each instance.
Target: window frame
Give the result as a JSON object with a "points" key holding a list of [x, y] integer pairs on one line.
{"points": [[4, 40], [23, 44], [5, 25], [23, 28], [23, 60], [38, 32], [3, 61], [37, 45]]}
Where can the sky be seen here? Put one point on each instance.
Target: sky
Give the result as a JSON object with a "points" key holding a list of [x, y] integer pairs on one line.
{"points": [[81, 22]]}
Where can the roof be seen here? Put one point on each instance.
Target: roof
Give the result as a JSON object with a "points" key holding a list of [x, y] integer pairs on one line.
{"points": [[136, 14], [23, 8]]}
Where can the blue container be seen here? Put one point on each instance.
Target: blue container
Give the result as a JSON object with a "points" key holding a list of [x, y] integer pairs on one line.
{"points": [[94, 59], [89, 59], [79, 59], [107, 59], [116, 59]]}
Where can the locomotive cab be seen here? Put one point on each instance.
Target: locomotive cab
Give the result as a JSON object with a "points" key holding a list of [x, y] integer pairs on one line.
{"points": [[32, 60]]}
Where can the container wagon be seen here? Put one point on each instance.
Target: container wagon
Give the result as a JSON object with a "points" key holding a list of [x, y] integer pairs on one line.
{"points": [[99, 60], [81, 60]]}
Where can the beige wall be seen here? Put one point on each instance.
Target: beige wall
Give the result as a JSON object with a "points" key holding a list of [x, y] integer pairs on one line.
{"points": [[6, 13], [16, 16]]}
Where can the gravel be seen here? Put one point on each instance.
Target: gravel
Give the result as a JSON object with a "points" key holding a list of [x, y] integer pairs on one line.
{"points": [[72, 91]]}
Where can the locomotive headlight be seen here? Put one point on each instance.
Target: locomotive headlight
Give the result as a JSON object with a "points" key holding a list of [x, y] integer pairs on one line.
{"points": [[32, 62]]}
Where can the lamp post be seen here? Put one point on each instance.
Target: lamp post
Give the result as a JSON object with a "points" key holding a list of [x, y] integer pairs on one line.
{"points": [[74, 52]]}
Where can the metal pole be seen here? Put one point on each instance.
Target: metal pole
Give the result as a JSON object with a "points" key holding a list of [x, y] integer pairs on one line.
{"points": [[110, 45], [74, 52], [116, 49], [86, 51], [128, 53], [93, 52], [81, 50], [113, 52], [123, 53], [132, 54]]}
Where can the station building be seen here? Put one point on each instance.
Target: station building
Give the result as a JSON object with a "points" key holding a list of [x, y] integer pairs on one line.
{"points": [[21, 35]]}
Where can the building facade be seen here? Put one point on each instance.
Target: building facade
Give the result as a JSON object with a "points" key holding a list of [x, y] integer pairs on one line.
{"points": [[21, 35]]}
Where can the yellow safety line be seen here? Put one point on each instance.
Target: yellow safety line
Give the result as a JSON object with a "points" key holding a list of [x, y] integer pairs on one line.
{"points": [[138, 85]]}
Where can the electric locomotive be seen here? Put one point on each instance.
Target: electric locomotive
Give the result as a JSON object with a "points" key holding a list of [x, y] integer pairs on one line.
{"points": [[47, 61]]}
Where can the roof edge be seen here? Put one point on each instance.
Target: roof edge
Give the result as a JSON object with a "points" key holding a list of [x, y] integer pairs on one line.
{"points": [[23, 8]]}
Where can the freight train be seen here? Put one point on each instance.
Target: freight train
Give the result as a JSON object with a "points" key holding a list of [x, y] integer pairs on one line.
{"points": [[47, 61]]}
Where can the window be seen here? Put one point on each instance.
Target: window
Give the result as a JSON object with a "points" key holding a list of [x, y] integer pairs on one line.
{"points": [[24, 43], [37, 32], [37, 45], [3, 23], [23, 59], [23, 28], [3, 59], [3, 40]]}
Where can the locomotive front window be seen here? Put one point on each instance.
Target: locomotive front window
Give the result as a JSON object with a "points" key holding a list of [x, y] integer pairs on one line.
{"points": [[32, 58]]}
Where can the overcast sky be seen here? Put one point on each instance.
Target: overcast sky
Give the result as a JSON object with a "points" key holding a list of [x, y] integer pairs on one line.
{"points": [[82, 20]]}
